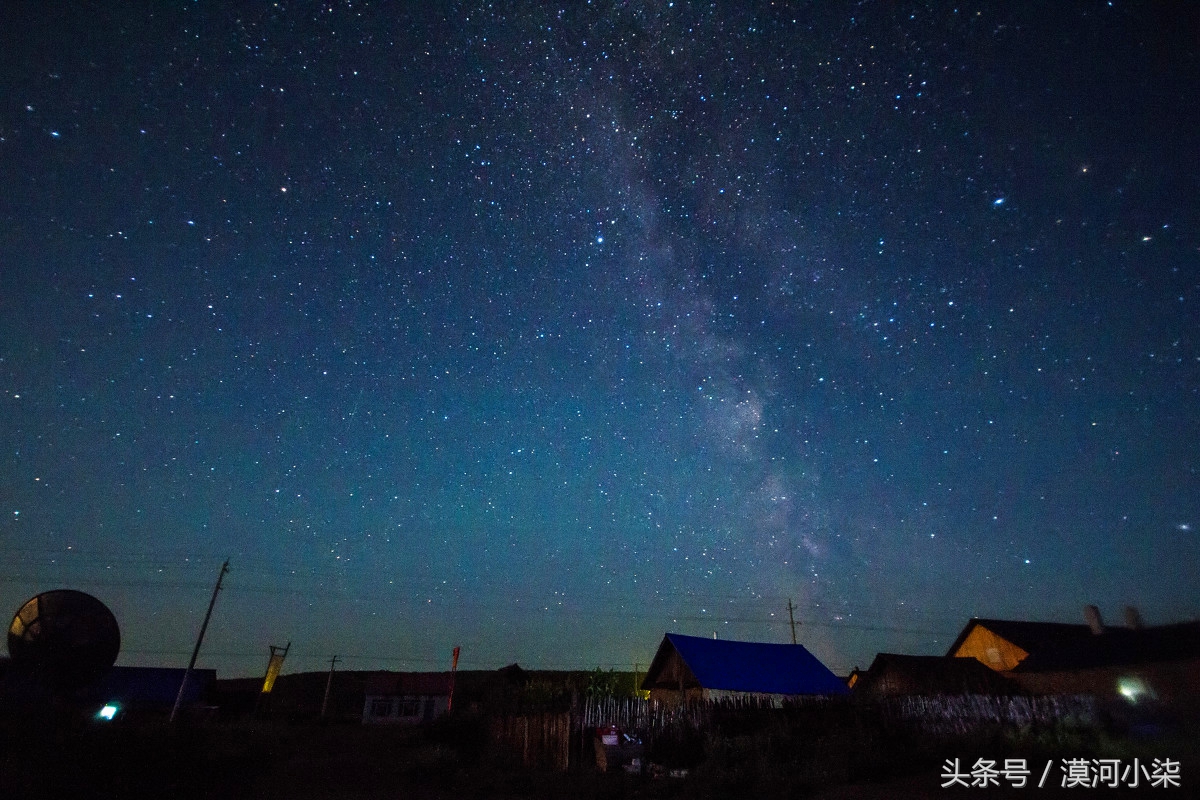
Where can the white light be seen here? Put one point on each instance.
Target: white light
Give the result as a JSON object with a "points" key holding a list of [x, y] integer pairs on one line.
{"points": [[1134, 689], [108, 712]]}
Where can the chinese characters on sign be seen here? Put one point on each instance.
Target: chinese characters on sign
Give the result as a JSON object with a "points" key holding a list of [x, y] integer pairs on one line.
{"points": [[1073, 773]]}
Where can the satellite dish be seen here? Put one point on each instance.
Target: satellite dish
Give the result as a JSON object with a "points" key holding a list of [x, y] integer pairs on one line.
{"points": [[64, 638]]}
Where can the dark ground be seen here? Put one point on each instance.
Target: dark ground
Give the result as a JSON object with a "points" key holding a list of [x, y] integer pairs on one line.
{"points": [[76, 758]]}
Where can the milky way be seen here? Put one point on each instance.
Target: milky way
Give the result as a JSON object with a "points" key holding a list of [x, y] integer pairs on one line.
{"points": [[544, 330]]}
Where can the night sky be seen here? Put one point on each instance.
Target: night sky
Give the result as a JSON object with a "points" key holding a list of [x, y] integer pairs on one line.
{"points": [[543, 330]]}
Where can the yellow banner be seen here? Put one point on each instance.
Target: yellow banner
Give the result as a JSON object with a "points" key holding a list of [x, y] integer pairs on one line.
{"points": [[273, 668]]}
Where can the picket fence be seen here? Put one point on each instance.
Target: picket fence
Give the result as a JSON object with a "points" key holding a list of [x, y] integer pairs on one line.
{"points": [[545, 739], [945, 713]]}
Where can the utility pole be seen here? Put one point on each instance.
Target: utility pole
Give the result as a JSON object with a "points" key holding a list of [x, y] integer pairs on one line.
{"points": [[328, 684], [187, 673], [453, 675], [792, 620]]}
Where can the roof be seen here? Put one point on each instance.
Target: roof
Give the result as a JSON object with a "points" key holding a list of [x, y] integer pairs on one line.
{"points": [[1031, 637], [758, 667], [1054, 646], [892, 673], [408, 683]]}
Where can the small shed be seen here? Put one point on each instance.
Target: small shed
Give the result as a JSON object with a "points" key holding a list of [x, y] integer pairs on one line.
{"points": [[693, 667], [406, 698]]}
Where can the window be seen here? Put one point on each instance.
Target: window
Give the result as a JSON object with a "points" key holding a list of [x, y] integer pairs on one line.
{"points": [[381, 707]]}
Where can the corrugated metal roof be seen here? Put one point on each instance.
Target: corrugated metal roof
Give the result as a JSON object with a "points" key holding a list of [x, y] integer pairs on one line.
{"points": [[787, 669]]}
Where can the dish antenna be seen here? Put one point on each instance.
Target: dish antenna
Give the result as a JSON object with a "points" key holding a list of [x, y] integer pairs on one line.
{"points": [[64, 638]]}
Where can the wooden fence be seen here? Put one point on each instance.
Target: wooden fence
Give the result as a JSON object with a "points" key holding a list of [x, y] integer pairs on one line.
{"points": [[549, 740], [540, 740], [959, 714], [940, 713]]}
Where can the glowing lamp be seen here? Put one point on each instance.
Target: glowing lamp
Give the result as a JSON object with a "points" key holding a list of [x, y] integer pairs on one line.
{"points": [[1134, 689]]}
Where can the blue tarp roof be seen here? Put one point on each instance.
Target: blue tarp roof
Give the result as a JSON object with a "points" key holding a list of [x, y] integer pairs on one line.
{"points": [[755, 666]]}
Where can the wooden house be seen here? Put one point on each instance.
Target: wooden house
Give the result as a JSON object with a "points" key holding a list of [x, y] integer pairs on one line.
{"points": [[692, 667], [405, 698], [1003, 644], [1134, 664]]}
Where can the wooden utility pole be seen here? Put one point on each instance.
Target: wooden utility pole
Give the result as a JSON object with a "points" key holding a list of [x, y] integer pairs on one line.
{"points": [[187, 673], [792, 620], [328, 685], [453, 676]]}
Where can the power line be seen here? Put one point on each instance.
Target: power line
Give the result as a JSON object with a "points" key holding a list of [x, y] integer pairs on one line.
{"points": [[302, 593]]}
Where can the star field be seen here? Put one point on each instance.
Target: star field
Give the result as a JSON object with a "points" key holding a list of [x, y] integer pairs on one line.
{"points": [[541, 330]]}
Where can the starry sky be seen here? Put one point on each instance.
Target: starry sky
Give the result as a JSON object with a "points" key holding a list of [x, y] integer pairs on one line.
{"points": [[545, 329]]}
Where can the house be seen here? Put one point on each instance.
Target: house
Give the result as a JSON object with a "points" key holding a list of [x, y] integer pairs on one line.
{"points": [[692, 667], [1003, 644], [894, 674], [1131, 664], [406, 698]]}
